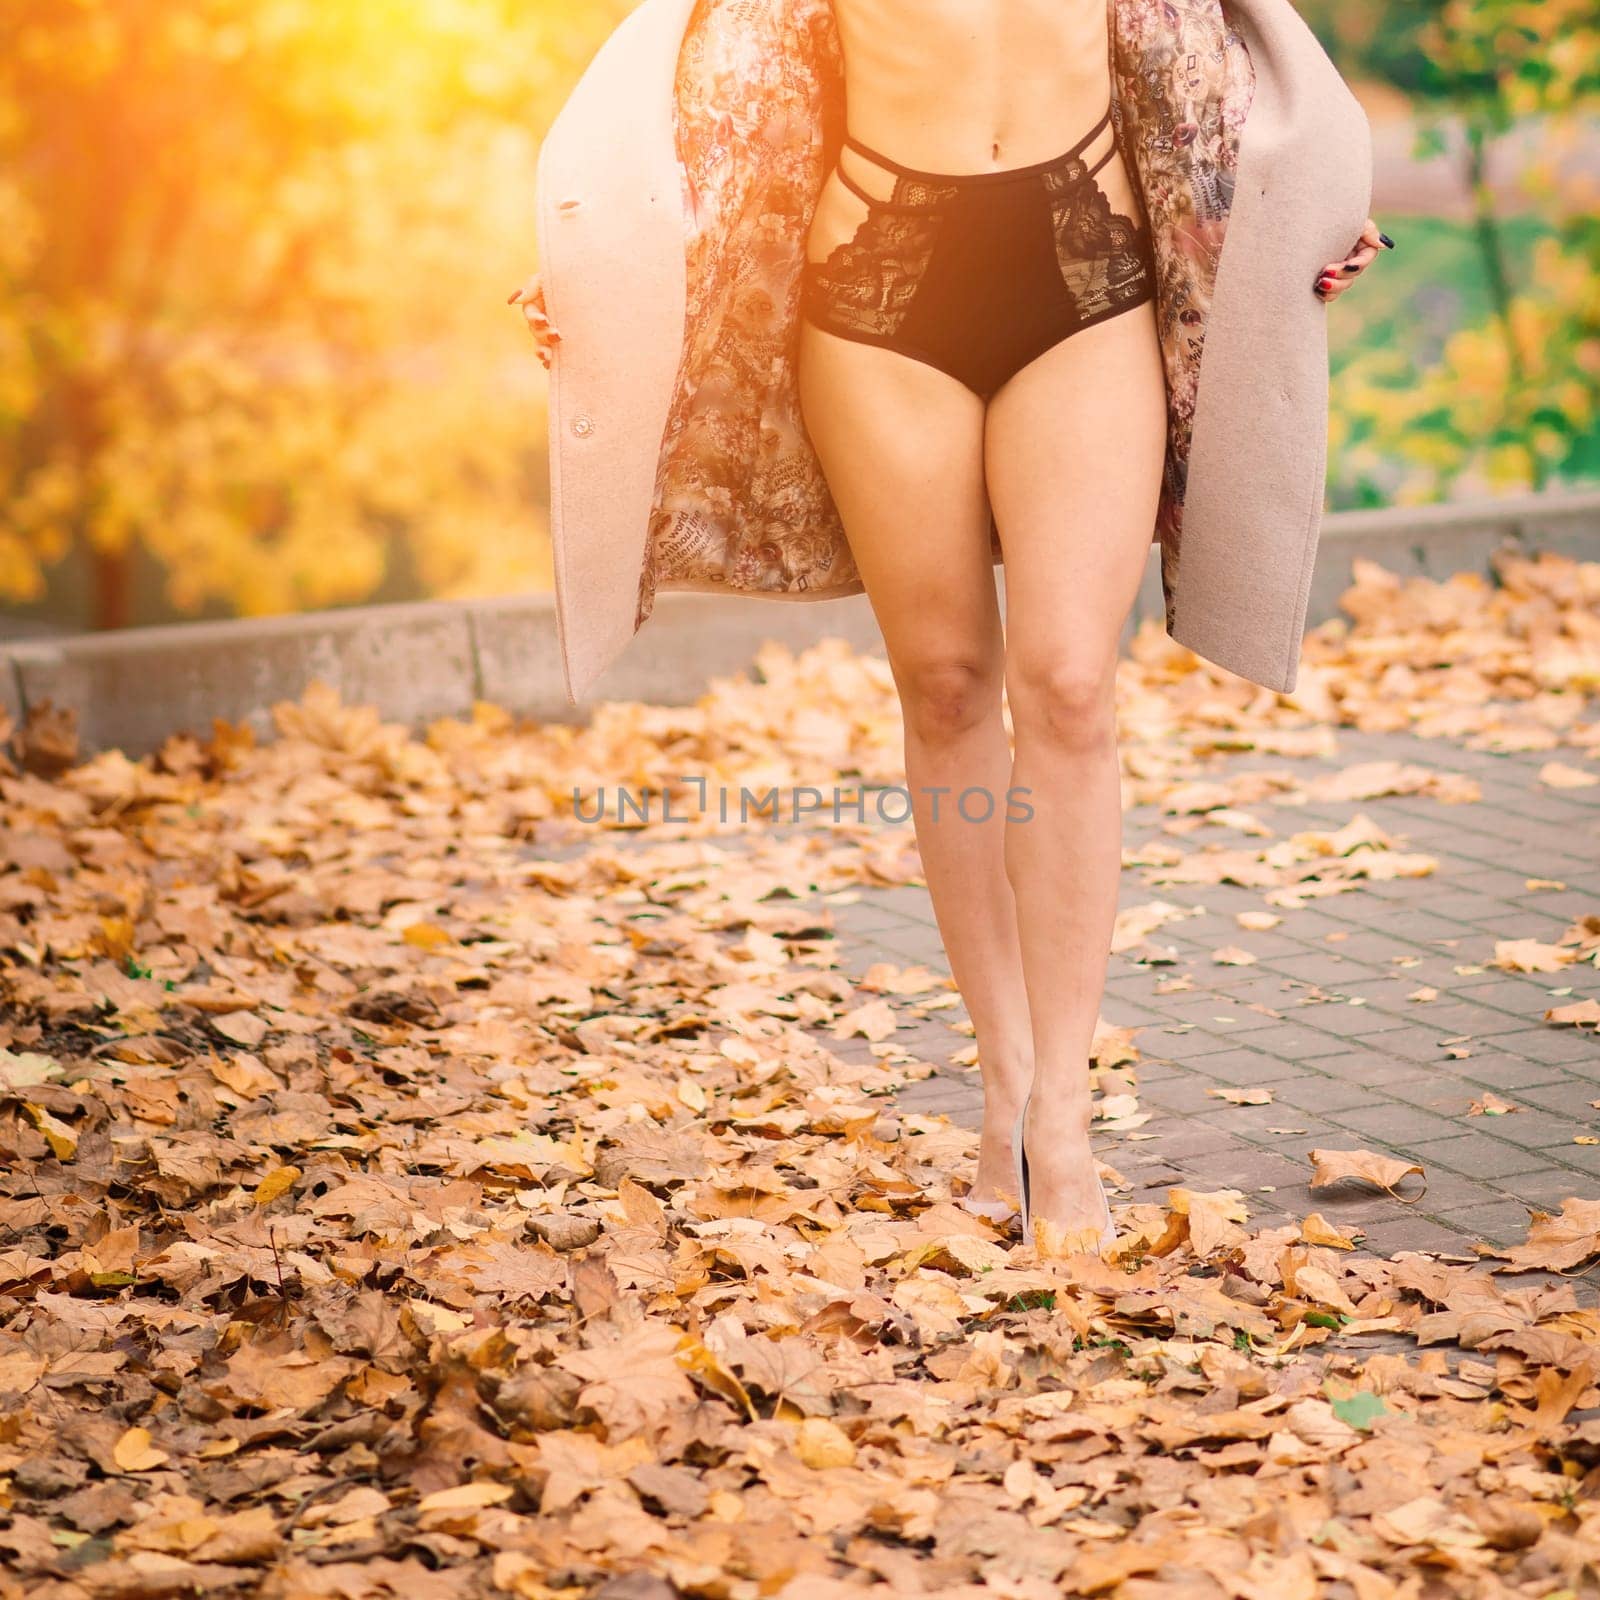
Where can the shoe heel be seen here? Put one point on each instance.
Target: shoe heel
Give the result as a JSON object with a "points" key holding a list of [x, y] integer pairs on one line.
{"points": [[1020, 1155]]}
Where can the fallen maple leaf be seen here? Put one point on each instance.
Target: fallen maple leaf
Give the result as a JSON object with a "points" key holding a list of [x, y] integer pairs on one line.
{"points": [[1232, 956], [875, 1020], [1213, 1218], [134, 1452], [1243, 1097], [277, 1182], [60, 1136], [1429, 1521], [1316, 1229], [821, 1443], [1581, 1014], [466, 1497], [1529, 955], [1331, 1167], [1359, 1408], [1555, 1243], [1559, 775]]}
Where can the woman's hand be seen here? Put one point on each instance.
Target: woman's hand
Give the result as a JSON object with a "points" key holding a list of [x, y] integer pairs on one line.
{"points": [[1337, 276], [531, 298]]}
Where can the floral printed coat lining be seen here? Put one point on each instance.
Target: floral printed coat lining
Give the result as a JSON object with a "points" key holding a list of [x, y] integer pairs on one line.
{"points": [[741, 499]]}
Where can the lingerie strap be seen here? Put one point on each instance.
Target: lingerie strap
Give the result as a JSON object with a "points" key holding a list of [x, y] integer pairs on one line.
{"points": [[965, 178]]}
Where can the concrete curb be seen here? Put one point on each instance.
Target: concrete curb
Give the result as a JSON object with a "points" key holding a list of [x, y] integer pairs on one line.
{"points": [[11, 707], [417, 662]]}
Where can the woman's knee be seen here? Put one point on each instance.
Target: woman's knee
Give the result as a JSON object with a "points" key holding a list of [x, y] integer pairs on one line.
{"points": [[1063, 699], [947, 697]]}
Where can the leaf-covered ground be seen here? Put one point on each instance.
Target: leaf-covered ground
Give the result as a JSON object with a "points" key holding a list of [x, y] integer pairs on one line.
{"points": [[407, 1191]]}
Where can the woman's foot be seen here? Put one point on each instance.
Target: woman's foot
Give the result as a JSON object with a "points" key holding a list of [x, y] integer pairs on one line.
{"points": [[993, 1194], [1065, 1196]]}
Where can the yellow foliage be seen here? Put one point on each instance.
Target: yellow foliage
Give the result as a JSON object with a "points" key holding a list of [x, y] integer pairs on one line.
{"points": [[256, 327]]}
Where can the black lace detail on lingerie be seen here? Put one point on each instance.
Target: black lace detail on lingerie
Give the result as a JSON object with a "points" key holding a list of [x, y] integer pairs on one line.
{"points": [[1104, 255], [867, 283]]}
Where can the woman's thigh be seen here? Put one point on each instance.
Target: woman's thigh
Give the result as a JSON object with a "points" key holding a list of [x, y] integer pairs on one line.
{"points": [[902, 446], [1074, 449]]}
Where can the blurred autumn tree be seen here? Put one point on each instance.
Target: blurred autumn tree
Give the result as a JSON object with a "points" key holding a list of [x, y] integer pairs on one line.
{"points": [[1515, 400], [253, 264]]}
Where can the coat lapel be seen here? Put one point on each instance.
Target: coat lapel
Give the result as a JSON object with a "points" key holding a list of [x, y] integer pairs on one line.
{"points": [[1182, 84], [741, 500]]}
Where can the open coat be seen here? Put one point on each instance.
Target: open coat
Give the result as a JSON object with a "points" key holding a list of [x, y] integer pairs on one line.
{"points": [[674, 194]]}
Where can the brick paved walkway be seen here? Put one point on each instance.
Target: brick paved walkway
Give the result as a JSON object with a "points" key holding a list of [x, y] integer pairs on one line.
{"points": [[1373, 1075]]}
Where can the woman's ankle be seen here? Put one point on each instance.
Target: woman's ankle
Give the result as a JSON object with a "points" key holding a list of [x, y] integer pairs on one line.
{"points": [[1061, 1118], [1007, 1076]]}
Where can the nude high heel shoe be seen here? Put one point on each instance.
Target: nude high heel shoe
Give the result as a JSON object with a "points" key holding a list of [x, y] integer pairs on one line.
{"points": [[996, 1211], [1108, 1231]]}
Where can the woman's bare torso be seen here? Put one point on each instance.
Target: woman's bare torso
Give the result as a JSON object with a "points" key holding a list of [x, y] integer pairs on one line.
{"points": [[973, 85], [967, 86]]}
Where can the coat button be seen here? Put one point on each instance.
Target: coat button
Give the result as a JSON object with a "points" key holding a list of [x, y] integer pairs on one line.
{"points": [[583, 424]]}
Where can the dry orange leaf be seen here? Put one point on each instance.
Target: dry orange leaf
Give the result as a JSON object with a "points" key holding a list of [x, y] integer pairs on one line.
{"points": [[1331, 1167], [277, 1182], [467, 1497], [1316, 1229], [1581, 1014], [821, 1444], [875, 1021], [1242, 1097], [1558, 1242], [134, 1452], [1233, 956], [1559, 775], [1529, 955], [60, 1136]]}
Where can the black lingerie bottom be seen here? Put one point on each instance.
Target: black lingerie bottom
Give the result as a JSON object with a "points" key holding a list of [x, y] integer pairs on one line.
{"points": [[977, 274]]}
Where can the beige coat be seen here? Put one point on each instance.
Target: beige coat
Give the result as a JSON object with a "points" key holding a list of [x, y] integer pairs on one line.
{"points": [[675, 190]]}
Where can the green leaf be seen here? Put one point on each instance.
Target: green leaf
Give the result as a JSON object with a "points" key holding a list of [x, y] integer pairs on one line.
{"points": [[1359, 1410]]}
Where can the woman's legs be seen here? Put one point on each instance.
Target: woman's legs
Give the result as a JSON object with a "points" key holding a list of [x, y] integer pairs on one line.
{"points": [[902, 445], [1074, 446]]}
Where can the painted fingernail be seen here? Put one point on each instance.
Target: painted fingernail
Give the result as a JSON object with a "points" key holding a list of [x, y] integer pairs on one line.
{"points": [[1349, 267], [1386, 241]]}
